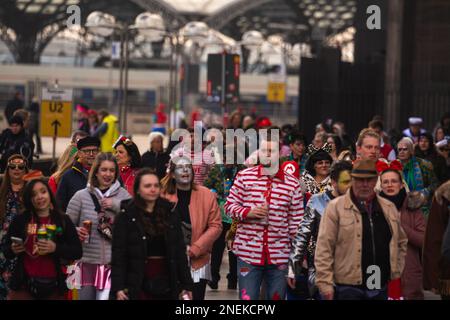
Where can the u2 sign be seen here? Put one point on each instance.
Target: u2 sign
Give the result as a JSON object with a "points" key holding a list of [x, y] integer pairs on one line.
{"points": [[56, 112]]}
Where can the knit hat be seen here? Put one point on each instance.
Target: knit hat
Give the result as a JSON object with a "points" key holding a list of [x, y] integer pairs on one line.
{"points": [[153, 135], [82, 108]]}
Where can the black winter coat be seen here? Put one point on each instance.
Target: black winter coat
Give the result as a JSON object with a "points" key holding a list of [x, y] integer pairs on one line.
{"points": [[157, 161], [68, 248], [129, 252], [72, 181]]}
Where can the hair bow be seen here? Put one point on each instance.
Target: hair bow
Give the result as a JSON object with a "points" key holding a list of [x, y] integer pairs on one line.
{"points": [[393, 165], [312, 149]]}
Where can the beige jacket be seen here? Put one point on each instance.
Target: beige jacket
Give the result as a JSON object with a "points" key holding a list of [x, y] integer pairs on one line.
{"points": [[339, 243]]}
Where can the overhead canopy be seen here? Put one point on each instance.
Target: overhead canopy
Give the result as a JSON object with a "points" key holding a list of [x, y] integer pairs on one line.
{"points": [[27, 26]]}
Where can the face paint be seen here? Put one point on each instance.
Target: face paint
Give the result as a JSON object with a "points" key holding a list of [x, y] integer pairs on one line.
{"points": [[183, 172], [344, 182]]}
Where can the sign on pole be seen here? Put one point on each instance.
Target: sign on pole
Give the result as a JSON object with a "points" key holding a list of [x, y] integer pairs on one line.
{"points": [[56, 112], [276, 92], [276, 88]]}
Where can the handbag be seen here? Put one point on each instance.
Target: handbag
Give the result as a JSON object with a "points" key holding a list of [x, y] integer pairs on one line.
{"points": [[42, 288], [104, 226], [159, 286]]}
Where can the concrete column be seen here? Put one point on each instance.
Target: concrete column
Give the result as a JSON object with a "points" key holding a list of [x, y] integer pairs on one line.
{"points": [[393, 63]]}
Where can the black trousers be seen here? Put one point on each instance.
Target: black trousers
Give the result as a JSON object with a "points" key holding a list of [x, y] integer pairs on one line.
{"points": [[217, 255], [199, 290], [34, 131]]}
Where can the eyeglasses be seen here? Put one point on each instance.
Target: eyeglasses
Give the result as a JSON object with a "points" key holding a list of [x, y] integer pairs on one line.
{"points": [[14, 166], [90, 151], [402, 149]]}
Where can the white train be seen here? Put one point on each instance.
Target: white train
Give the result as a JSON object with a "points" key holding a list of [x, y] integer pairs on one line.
{"points": [[98, 88]]}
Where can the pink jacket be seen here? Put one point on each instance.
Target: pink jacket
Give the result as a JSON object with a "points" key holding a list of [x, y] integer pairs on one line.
{"points": [[206, 223]]}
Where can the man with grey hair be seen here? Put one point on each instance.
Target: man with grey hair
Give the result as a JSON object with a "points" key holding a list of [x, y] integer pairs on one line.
{"points": [[417, 173]]}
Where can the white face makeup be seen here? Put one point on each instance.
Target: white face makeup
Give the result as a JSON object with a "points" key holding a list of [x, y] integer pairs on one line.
{"points": [[183, 173]]}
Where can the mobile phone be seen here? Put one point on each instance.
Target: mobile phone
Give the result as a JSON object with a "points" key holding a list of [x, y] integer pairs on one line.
{"points": [[17, 240]]}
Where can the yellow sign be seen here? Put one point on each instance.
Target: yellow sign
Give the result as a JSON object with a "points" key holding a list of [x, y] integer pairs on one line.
{"points": [[56, 112], [276, 92]]}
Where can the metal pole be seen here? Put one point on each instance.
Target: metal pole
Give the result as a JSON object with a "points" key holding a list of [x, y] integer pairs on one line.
{"points": [[125, 98], [54, 149], [223, 86], [120, 95], [175, 87], [171, 102]]}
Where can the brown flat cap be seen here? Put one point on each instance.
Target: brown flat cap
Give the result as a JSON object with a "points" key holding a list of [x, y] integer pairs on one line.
{"points": [[364, 169]]}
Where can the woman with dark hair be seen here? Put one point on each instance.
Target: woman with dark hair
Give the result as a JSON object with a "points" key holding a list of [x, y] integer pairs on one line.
{"points": [[426, 149], [148, 253], [412, 222], [41, 238], [200, 216], [129, 161], [439, 134], [93, 210], [336, 145], [11, 204], [317, 175]]}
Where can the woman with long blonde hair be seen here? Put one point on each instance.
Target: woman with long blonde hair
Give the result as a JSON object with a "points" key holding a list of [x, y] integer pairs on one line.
{"points": [[66, 160]]}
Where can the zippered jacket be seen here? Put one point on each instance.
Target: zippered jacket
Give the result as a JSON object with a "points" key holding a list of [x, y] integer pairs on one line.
{"points": [[339, 255]]}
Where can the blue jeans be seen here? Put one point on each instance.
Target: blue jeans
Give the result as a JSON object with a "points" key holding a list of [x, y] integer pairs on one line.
{"points": [[251, 277], [353, 293]]}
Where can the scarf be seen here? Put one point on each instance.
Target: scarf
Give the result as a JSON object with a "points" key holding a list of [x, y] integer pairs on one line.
{"points": [[114, 187], [397, 199], [413, 175]]}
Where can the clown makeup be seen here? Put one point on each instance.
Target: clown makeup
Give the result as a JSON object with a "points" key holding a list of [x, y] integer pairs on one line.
{"points": [[344, 182], [183, 173]]}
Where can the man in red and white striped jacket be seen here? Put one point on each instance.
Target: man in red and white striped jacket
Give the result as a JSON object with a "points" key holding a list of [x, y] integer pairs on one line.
{"points": [[269, 209]]}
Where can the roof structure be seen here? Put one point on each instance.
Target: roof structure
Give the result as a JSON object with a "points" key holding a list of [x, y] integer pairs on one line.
{"points": [[27, 26]]}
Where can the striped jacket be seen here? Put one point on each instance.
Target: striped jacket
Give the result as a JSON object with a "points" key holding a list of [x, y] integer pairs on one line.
{"points": [[255, 240]]}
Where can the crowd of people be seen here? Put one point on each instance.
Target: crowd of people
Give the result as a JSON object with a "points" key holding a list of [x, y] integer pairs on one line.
{"points": [[336, 218]]}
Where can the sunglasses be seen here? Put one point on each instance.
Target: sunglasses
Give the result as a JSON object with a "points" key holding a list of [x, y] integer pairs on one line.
{"points": [[91, 151], [402, 149], [13, 166]]}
